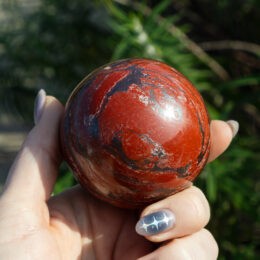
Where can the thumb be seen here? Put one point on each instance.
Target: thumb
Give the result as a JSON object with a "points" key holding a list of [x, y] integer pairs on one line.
{"points": [[33, 174]]}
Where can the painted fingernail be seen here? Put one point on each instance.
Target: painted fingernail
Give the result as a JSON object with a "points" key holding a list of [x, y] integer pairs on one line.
{"points": [[155, 223], [39, 105], [234, 125]]}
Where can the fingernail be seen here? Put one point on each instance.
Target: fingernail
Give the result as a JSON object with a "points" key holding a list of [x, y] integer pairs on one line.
{"points": [[39, 105], [155, 223], [234, 125]]}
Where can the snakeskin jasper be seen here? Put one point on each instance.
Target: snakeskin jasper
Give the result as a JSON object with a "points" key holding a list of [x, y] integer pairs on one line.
{"points": [[135, 131]]}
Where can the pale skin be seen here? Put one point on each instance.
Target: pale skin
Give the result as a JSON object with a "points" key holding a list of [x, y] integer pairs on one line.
{"points": [[75, 225]]}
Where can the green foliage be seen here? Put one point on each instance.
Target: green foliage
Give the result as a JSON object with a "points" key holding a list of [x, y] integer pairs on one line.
{"points": [[54, 44], [151, 37], [65, 180], [50, 45]]}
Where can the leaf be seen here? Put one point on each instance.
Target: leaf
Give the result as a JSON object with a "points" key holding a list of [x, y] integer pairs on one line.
{"points": [[66, 180], [241, 82], [120, 50], [158, 9]]}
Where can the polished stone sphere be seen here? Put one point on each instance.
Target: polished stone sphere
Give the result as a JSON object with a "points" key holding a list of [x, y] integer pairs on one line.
{"points": [[134, 132]]}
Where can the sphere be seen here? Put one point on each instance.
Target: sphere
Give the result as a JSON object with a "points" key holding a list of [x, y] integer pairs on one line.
{"points": [[135, 131]]}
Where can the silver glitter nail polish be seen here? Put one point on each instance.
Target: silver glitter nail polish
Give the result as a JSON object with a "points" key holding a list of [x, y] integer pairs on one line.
{"points": [[155, 223], [234, 125], [39, 105]]}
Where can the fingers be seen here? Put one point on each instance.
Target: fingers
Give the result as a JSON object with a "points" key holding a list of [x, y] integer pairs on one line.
{"points": [[198, 246], [176, 216], [186, 212], [221, 136], [34, 171]]}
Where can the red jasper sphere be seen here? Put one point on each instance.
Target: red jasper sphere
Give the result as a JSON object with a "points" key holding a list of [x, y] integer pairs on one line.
{"points": [[134, 132]]}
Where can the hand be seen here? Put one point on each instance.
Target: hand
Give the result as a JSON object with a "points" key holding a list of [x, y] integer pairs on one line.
{"points": [[75, 225]]}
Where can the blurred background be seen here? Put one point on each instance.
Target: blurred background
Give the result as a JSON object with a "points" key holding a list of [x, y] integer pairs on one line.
{"points": [[54, 44]]}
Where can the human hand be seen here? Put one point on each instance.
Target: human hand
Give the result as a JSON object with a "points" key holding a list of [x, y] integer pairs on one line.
{"points": [[75, 225]]}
